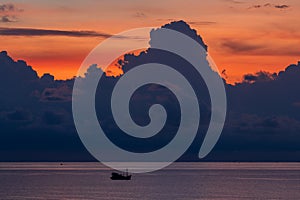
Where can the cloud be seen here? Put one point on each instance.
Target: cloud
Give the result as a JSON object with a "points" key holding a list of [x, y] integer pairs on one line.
{"points": [[52, 118], [269, 5], [8, 19], [166, 19], [185, 28], [259, 77], [250, 78], [9, 8], [234, 1], [237, 46], [8, 13], [62, 93], [250, 46], [140, 15], [224, 74], [18, 115], [50, 32], [256, 6], [202, 23], [263, 110], [282, 6]]}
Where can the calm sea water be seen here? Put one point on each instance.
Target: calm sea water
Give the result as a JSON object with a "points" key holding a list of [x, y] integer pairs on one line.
{"points": [[179, 181]]}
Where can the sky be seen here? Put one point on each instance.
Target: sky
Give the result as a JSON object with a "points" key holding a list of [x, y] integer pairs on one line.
{"points": [[243, 36]]}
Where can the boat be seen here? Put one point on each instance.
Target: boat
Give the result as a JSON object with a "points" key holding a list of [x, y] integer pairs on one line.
{"points": [[118, 176]]}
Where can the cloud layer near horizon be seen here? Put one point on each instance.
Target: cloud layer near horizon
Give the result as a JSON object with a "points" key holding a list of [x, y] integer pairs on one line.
{"points": [[263, 121]]}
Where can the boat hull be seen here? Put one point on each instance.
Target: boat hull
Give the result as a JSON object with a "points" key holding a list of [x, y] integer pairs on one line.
{"points": [[121, 178], [116, 176]]}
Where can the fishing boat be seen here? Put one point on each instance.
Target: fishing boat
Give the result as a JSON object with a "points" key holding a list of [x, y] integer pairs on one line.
{"points": [[120, 176]]}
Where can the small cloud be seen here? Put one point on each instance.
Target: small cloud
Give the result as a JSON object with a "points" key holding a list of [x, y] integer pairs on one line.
{"points": [[235, 46], [48, 32], [4, 8], [269, 123], [58, 94], [269, 5], [224, 74], [256, 6], [251, 46], [296, 104], [281, 6], [52, 118], [259, 77], [8, 13], [167, 19], [140, 15], [19, 115], [234, 1], [202, 23], [7, 19], [249, 78], [7, 7]]}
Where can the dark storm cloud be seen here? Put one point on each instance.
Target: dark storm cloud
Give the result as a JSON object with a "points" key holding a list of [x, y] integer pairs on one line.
{"points": [[30, 125]]}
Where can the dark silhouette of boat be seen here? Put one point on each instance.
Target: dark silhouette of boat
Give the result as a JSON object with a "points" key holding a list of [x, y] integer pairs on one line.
{"points": [[118, 176]]}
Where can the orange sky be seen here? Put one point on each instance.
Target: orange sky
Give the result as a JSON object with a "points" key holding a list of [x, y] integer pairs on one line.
{"points": [[243, 36]]}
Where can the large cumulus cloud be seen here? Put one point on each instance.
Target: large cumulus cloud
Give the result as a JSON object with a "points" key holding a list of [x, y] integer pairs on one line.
{"points": [[263, 121]]}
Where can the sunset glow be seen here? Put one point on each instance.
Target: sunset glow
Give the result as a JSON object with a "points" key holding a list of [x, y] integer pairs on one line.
{"points": [[242, 36]]}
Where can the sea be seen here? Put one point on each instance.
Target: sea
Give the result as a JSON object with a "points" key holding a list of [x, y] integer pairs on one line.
{"points": [[182, 181]]}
